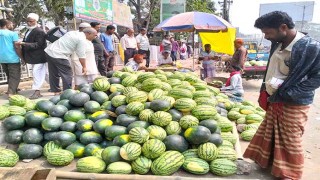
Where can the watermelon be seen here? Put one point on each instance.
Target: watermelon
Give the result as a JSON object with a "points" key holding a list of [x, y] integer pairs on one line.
{"points": [[44, 105], [111, 154], [176, 143], [145, 115], [153, 148], [176, 115], [60, 157], [119, 168], [162, 77], [58, 111], [51, 123], [203, 112], [4, 112], [129, 81], [8, 158], [121, 140], [188, 121], [223, 167], [116, 88], [130, 151], [155, 94], [55, 99], [17, 100], [253, 118], [173, 128], [32, 136], [134, 124], [35, 119], [64, 138], [77, 149], [30, 105], [13, 137], [84, 125], [139, 135], [161, 118], [91, 164], [210, 124], [225, 125], [117, 74], [118, 100], [114, 130], [202, 94], [228, 136], [226, 143], [87, 89], [252, 126], [208, 151], [141, 165], [160, 105], [146, 75], [92, 149], [29, 151], [99, 115], [138, 96], [156, 132], [16, 110], [190, 153], [206, 101], [100, 125], [227, 153], [125, 120], [14, 122], [247, 135], [74, 116], [101, 84], [166, 86], [168, 163], [179, 93], [197, 134], [91, 107], [170, 99], [215, 139], [185, 104], [68, 126], [174, 82], [65, 103], [134, 108], [90, 137], [150, 84], [196, 166]]}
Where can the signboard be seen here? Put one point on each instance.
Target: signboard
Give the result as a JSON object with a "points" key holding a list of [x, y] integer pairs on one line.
{"points": [[122, 14], [170, 8], [299, 11], [94, 10]]}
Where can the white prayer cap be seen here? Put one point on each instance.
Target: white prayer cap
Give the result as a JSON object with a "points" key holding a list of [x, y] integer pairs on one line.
{"points": [[33, 16], [84, 25]]}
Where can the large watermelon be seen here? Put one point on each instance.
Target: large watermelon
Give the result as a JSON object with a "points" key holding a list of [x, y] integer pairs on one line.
{"points": [[168, 163]]}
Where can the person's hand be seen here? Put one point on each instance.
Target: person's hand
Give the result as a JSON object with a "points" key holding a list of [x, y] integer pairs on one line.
{"points": [[84, 70], [23, 62]]}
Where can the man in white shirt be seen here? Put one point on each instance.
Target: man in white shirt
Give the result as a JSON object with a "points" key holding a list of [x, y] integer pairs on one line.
{"points": [[144, 45], [165, 59], [129, 45], [58, 55]]}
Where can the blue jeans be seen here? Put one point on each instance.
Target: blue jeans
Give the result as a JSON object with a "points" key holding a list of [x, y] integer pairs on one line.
{"points": [[174, 55]]}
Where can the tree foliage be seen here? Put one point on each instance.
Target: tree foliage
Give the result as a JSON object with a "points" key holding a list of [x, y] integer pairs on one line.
{"points": [[207, 6]]}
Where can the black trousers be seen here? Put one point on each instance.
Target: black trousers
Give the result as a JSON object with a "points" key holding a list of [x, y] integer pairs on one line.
{"points": [[110, 62], [59, 68], [100, 60], [129, 53], [147, 56], [13, 72]]}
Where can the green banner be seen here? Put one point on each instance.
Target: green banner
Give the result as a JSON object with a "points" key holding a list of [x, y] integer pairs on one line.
{"points": [[170, 8], [94, 10]]}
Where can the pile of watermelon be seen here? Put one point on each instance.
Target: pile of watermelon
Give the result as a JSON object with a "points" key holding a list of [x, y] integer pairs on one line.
{"points": [[129, 122]]}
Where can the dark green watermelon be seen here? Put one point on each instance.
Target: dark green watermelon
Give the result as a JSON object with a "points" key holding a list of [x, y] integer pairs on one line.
{"points": [[55, 99], [79, 99], [176, 143], [44, 105], [66, 94], [58, 111], [99, 96], [65, 103]]}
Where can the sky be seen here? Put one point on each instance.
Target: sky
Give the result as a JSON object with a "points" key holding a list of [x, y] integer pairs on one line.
{"points": [[243, 13]]}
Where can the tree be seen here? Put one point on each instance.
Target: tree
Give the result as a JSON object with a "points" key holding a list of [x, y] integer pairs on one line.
{"points": [[201, 5]]}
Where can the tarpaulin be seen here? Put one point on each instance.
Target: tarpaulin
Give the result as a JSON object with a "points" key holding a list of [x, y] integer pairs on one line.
{"points": [[221, 42]]}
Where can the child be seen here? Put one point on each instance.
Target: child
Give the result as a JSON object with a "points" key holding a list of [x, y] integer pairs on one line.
{"points": [[165, 58], [234, 88], [135, 63]]}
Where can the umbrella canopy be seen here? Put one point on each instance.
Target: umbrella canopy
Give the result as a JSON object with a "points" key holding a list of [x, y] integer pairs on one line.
{"points": [[191, 21]]}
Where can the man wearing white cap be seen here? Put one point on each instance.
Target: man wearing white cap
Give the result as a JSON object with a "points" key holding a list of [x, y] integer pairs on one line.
{"points": [[58, 55], [33, 45], [92, 70]]}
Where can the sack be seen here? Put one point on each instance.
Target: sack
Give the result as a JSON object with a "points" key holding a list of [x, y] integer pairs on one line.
{"points": [[55, 33], [263, 100]]}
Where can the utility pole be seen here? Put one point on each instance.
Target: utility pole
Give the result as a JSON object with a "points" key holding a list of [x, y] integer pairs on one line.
{"points": [[303, 13], [225, 8]]}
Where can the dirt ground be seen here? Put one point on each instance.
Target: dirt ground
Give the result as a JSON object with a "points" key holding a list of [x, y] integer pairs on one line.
{"points": [[310, 143]]}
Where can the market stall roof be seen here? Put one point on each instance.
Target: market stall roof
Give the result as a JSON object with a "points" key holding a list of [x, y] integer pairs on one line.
{"points": [[194, 21]]}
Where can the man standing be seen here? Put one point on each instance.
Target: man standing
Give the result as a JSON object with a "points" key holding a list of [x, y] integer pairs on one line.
{"points": [[33, 45], [129, 45], [107, 40], [166, 43], [240, 55], [10, 56], [292, 76], [144, 45], [208, 58], [175, 49], [58, 55]]}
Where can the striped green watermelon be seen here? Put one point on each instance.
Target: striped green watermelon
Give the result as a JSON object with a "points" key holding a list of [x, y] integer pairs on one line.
{"points": [[189, 87], [169, 99], [185, 104], [247, 135], [8, 158], [173, 128], [228, 136], [60, 157], [196, 166], [129, 89], [156, 132], [174, 82], [166, 86], [202, 94], [223, 167], [130, 151], [250, 118], [159, 71], [191, 79], [101, 84], [206, 101], [17, 100], [162, 77], [134, 108], [139, 135], [4, 112], [118, 100], [188, 121], [127, 69], [168, 163], [91, 164], [190, 153], [50, 147], [125, 74], [200, 86], [252, 126], [226, 143], [119, 168], [208, 151], [179, 93], [116, 88], [141, 165], [225, 125], [241, 120], [203, 112], [161, 118], [227, 153], [177, 75], [214, 90], [138, 96], [153, 148], [155, 94], [145, 115], [16, 110], [117, 74], [145, 76], [234, 115], [129, 81], [150, 84]]}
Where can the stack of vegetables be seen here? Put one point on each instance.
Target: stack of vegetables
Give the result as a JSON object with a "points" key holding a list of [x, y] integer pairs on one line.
{"points": [[127, 122]]}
